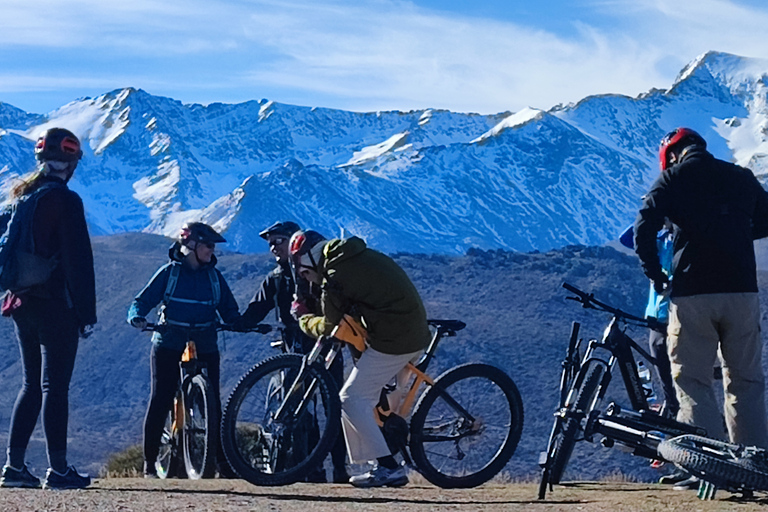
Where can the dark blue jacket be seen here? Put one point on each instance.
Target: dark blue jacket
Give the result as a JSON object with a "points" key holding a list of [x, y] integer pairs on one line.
{"points": [[200, 315]]}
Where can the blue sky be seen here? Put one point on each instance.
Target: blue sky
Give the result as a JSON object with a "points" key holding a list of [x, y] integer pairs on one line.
{"points": [[364, 55]]}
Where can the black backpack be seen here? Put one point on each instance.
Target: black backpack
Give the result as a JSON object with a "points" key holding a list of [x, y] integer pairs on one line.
{"points": [[20, 267]]}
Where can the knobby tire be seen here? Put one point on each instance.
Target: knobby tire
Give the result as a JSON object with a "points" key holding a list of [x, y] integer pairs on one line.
{"points": [[200, 429], [255, 446], [565, 440], [472, 452], [710, 460]]}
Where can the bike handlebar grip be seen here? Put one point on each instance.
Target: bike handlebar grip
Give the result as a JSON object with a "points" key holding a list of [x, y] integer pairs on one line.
{"points": [[573, 289]]}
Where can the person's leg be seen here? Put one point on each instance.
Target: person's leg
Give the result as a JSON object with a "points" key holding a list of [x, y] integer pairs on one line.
{"points": [[164, 371], [657, 344], [59, 352], [692, 344], [30, 398], [339, 449], [359, 396], [743, 378]]}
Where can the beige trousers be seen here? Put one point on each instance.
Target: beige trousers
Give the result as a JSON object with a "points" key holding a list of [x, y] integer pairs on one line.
{"points": [[359, 396], [698, 325]]}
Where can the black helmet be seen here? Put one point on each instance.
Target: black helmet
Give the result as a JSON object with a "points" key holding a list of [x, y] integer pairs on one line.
{"points": [[285, 229], [59, 145], [199, 232], [678, 138], [303, 242]]}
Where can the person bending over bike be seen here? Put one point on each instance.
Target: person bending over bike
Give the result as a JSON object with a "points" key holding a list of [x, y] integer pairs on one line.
{"points": [[277, 292], [373, 289], [190, 292]]}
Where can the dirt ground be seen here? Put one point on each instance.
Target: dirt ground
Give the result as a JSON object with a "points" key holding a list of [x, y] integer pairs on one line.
{"points": [[133, 494]]}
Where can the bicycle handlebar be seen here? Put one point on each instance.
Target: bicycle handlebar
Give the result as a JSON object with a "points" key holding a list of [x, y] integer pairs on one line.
{"points": [[259, 328], [589, 301]]}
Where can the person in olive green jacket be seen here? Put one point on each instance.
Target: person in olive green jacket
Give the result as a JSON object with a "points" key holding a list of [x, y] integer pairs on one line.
{"points": [[373, 289]]}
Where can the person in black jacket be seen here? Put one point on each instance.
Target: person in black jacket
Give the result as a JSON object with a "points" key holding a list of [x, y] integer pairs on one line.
{"points": [[718, 208], [50, 317], [277, 292]]}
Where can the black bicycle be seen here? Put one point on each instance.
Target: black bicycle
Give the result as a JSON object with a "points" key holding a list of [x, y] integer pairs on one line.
{"points": [[583, 385], [464, 428]]}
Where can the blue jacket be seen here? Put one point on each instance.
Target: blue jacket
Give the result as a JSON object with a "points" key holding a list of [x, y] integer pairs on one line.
{"points": [[658, 305], [191, 306]]}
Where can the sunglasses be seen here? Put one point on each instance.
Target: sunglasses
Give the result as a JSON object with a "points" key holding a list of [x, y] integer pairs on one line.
{"points": [[208, 245], [277, 241]]}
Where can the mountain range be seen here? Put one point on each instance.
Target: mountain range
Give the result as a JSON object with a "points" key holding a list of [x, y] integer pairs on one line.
{"points": [[428, 181]]}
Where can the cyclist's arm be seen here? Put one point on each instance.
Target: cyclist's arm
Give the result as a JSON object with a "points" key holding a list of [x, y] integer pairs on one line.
{"points": [[261, 304], [322, 325], [227, 308], [650, 219], [151, 295]]}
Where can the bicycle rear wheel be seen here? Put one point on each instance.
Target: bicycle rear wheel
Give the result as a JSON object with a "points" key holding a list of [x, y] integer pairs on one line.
{"points": [[168, 463], [265, 451], [564, 439], [466, 427], [722, 464], [199, 428]]}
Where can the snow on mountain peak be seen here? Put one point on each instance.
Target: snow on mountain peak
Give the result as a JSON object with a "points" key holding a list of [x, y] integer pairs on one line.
{"points": [[517, 119], [418, 181]]}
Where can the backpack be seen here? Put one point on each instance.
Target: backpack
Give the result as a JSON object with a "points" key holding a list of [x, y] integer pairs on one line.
{"points": [[170, 288], [20, 267]]}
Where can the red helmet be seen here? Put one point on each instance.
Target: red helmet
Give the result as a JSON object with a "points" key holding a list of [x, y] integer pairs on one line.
{"points": [[302, 242], [58, 144], [679, 137]]}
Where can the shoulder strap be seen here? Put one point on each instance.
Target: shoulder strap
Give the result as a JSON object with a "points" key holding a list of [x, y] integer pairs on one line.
{"points": [[173, 279], [215, 286]]}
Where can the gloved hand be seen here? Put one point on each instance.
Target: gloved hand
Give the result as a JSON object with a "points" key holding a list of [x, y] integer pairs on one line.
{"points": [[263, 328], [138, 322], [86, 331], [299, 309], [661, 284]]}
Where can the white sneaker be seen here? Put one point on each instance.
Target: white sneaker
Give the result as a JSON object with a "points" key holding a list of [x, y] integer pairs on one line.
{"points": [[379, 476]]}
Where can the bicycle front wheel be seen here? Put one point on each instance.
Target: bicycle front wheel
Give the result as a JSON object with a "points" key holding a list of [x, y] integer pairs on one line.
{"points": [[168, 463], [199, 428], [563, 442], [266, 450], [717, 462], [466, 427]]}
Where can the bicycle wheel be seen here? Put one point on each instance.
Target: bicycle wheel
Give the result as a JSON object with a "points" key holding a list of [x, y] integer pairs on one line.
{"points": [[466, 427], [199, 428], [168, 463], [563, 442], [265, 451], [722, 464]]}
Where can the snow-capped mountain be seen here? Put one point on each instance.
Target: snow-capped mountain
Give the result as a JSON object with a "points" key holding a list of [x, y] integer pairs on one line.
{"points": [[420, 181]]}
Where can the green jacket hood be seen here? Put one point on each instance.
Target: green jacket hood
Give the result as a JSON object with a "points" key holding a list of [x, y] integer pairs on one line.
{"points": [[338, 250]]}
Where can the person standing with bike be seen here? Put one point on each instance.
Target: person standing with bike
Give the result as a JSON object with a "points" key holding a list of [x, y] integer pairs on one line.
{"points": [[191, 293], [719, 209], [374, 290], [50, 317], [277, 293]]}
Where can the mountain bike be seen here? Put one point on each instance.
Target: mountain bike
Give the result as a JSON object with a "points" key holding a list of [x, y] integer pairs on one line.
{"points": [[190, 435], [583, 385], [464, 428]]}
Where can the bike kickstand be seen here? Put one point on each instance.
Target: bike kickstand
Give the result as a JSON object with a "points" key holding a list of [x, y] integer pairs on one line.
{"points": [[707, 491]]}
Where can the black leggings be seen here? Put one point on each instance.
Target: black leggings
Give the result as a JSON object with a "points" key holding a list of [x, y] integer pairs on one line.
{"points": [[48, 335], [164, 367]]}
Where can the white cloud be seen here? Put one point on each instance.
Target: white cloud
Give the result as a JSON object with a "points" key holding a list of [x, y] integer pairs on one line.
{"points": [[372, 54]]}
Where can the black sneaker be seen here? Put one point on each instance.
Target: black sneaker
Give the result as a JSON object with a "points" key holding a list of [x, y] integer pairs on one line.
{"points": [[70, 479], [691, 483], [12, 477]]}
